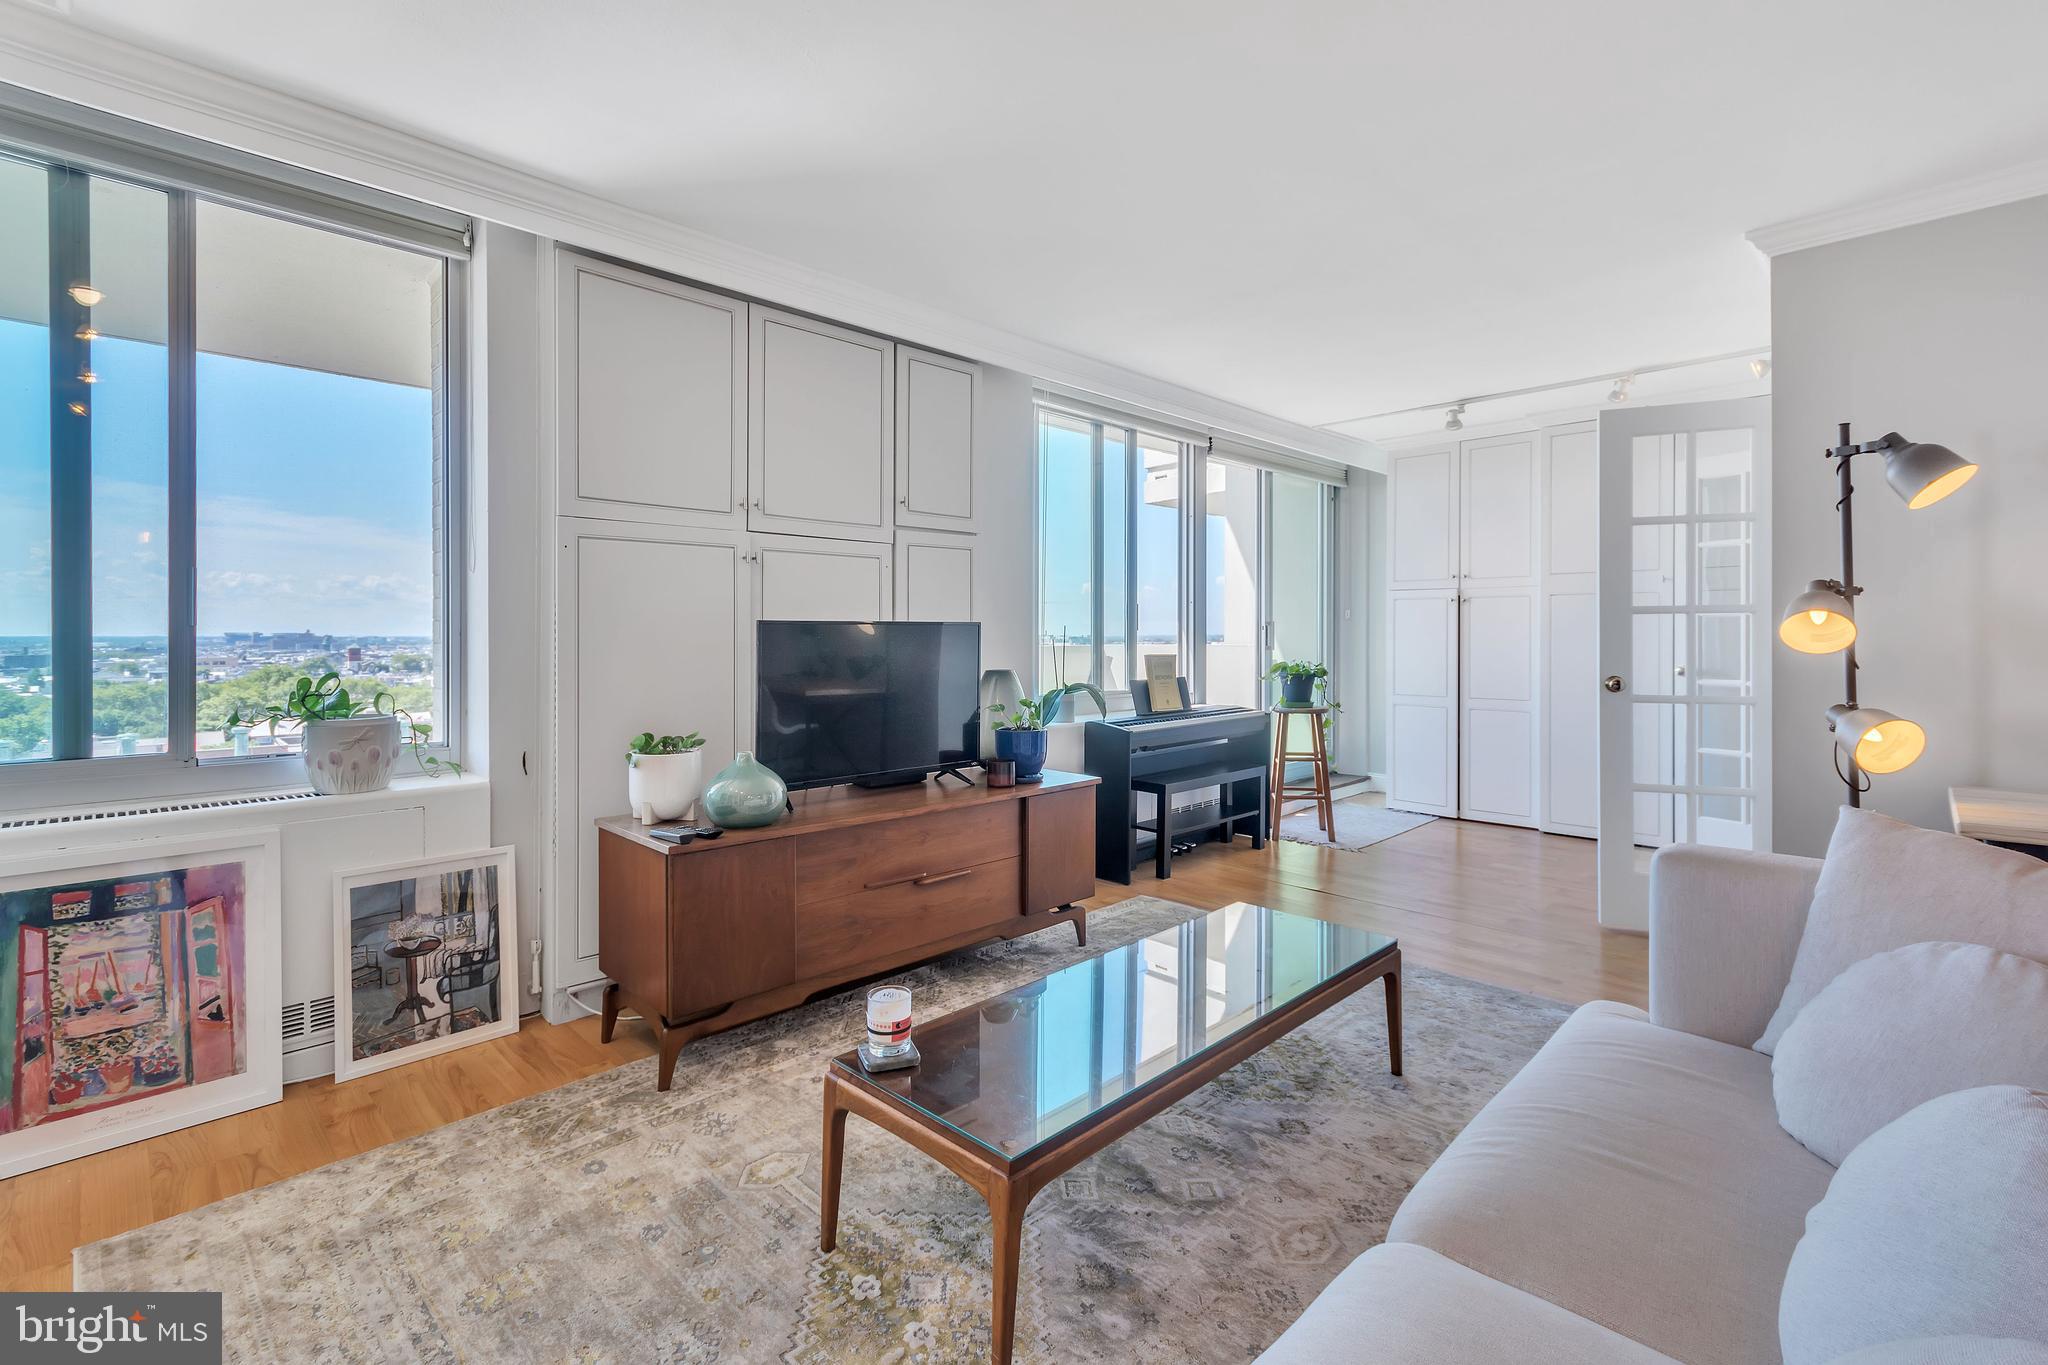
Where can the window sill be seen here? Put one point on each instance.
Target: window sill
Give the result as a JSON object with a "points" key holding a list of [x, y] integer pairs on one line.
{"points": [[31, 791]]}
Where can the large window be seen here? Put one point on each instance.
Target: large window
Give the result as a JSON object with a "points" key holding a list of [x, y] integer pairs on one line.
{"points": [[224, 436], [1131, 566]]}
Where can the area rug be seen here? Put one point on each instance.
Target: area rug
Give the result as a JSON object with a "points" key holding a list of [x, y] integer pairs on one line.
{"points": [[606, 1221], [1357, 826]]}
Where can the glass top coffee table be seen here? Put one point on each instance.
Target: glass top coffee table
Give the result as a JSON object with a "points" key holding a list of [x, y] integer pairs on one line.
{"points": [[1023, 1086]]}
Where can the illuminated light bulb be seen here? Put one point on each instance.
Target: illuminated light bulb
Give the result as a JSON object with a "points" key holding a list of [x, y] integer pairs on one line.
{"points": [[1819, 618], [88, 377], [85, 295]]}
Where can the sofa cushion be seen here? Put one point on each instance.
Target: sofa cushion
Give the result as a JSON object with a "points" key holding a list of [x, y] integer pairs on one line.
{"points": [[1902, 1027], [1936, 1225], [1885, 884], [1635, 1175], [1401, 1304], [1949, 1351]]}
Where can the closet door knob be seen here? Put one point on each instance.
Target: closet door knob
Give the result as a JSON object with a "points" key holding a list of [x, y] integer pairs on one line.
{"points": [[1613, 682]]}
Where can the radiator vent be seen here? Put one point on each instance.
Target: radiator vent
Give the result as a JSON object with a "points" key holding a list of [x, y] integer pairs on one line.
{"points": [[307, 1020], [84, 816]]}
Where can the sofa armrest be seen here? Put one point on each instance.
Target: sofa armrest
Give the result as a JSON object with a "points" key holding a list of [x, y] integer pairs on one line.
{"points": [[1724, 928]]}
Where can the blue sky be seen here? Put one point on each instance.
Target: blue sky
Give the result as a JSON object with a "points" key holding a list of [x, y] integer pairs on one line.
{"points": [[315, 495]]}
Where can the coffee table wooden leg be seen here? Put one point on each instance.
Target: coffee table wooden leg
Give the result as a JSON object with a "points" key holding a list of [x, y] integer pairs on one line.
{"points": [[1006, 1201], [829, 1167], [1394, 1014]]}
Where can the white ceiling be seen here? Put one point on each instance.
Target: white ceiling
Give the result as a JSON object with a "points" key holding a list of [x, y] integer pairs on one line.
{"points": [[1318, 210]]}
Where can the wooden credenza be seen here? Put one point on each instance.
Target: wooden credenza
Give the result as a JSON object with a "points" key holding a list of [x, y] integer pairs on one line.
{"points": [[702, 936]]}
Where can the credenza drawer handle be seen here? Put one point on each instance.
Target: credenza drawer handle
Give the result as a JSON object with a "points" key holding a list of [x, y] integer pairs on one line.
{"points": [[935, 878]]}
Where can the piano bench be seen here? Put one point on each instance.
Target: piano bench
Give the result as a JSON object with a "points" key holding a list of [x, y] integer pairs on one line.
{"points": [[1163, 787]]}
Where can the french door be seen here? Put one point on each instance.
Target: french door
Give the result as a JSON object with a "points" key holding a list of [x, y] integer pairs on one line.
{"points": [[1684, 638]]}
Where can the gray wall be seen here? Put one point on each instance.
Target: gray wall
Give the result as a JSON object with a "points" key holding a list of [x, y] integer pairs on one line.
{"points": [[1939, 331], [1362, 624]]}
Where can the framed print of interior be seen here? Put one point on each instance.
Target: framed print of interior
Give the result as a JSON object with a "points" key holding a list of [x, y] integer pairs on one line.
{"points": [[425, 959], [139, 991]]}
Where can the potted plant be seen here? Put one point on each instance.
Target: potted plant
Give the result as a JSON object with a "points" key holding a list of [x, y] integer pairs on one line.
{"points": [[1020, 729], [1302, 683], [664, 775], [348, 744]]}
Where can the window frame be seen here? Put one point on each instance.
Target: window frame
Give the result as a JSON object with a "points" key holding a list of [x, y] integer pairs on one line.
{"points": [[180, 771]]}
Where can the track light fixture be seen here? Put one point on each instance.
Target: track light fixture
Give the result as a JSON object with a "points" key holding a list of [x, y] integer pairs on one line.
{"points": [[1822, 620], [1454, 419], [1760, 367], [1619, 393]]}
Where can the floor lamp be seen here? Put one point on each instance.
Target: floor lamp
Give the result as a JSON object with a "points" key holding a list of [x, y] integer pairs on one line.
{"points": [[1822, 619]]}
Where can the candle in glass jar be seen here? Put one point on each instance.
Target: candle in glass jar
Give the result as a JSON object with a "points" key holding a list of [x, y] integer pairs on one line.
{"points": [[888, 1020]]}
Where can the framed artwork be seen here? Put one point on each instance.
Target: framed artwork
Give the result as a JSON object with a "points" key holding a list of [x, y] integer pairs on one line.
{"points": [[425, 959], [139, 992]]}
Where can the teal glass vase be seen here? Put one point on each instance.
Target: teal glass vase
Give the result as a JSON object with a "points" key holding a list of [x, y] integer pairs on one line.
{"points": [[745, 794]]}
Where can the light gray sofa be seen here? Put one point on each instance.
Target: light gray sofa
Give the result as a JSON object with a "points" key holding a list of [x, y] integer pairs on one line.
{"points": [[1629, 1196]]}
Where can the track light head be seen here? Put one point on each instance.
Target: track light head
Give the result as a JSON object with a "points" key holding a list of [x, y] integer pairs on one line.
{"points": [[1760, 367], [1619, 393], [1454, 417]]}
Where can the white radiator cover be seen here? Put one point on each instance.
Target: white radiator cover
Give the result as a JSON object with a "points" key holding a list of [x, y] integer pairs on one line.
{"points": [[319, 836]]}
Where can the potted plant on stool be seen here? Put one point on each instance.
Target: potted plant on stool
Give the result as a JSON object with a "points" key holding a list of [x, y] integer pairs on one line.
{"points": [[664, 776], [1020, 729], [1302, 683]]}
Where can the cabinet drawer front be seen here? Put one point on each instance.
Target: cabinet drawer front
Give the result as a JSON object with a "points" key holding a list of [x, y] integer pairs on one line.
{"points": [[890, 920], [845, 862]]}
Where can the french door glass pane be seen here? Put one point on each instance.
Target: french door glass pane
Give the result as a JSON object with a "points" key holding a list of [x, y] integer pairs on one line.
{"points": [[1231, 663], [1300, 567], [1157, 589], [1117, 480], [319, 482], [130, 402], [1066, 530], [24, 463]]}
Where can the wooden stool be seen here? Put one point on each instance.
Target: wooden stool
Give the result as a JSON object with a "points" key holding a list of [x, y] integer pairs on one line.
{"points": [[1317, 791]]}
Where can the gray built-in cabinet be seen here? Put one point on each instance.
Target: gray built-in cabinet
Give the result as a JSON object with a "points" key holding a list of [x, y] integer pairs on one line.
{"points": [[720, 462]]}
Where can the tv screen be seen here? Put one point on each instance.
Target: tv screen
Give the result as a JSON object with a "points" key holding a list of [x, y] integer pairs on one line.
{"points": [[841, 701]]}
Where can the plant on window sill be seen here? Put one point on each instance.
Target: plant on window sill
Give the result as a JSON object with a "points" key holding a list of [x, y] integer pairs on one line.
{"points": [[345, 741]]}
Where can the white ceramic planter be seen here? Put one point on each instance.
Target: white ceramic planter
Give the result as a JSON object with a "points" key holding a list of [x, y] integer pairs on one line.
{"points": [[354, 755], [664, 786]]}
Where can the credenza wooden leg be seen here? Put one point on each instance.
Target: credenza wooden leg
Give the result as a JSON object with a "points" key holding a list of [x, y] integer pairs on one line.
{"points": [[1080, 926], [829, 1167], [671, 1042], [610, 1019]]}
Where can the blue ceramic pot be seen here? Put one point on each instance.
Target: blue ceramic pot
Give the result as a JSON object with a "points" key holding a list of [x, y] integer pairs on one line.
{"points": [[745, 794], [1025, 748], [1297, 689]]}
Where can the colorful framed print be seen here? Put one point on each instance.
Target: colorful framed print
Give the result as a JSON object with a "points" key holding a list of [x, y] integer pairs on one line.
{"points": [[425, 959], [139, 991]]}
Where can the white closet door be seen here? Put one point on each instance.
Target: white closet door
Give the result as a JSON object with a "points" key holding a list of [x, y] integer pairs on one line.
{"points": [[652, 398], [1498, 648], [801, 578], [1422, 700], [936, 397], [821, 435], [654, 635], [1423, 488], [934, 576], [1571, 631]]}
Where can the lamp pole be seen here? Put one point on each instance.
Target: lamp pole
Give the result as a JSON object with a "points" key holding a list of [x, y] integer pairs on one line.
{"points": [[1840, 455]]}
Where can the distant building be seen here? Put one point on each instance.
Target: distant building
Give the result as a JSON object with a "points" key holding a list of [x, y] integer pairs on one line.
{"points": [[304, 639], [21, 661], [355, 654]]}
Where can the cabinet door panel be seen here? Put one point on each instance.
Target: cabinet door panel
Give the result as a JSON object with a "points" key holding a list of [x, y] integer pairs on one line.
{"points": [[653, 397], [822, 434], [653, 636], [935, 409], [1499, 485], [803, 578], [1423, 703], [1423, 486], [934, 577], [1499, 706]]}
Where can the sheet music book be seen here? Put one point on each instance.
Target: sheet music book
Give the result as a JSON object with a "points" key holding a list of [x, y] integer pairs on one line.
{"points": [[1162, 684]]}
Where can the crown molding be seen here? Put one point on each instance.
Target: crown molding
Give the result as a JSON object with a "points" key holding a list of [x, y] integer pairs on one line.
{"points": [[42, 52], [1989, 190]]}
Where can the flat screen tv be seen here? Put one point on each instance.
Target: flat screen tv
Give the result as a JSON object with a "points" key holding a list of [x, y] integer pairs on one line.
{"points": [[872, 702]]}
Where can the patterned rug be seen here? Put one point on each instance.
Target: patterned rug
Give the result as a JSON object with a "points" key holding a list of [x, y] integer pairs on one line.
{"points": [[1357, 826], [606, 1221]]}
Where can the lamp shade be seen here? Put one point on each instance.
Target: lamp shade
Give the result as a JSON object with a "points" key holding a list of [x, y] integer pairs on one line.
{"points": [[1878, 741], [1819, 620], [1923, 473]]}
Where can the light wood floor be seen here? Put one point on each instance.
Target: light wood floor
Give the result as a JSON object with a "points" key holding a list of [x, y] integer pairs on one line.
{"points": [[1502, 905]]}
